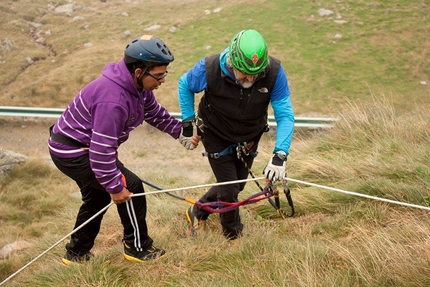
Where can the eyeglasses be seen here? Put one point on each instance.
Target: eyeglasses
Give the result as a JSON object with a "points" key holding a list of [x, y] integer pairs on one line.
{"points": [[156, 77]]}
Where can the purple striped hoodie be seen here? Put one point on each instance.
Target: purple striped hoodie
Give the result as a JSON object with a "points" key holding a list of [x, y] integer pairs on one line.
{"points": [[102, 115]]}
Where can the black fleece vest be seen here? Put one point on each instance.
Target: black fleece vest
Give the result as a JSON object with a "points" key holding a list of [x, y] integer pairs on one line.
{"points": [[234, 113]]}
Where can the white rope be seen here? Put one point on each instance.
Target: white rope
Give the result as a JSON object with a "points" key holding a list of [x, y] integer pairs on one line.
{"points": [[360, 194], [210, 185], [58, 242], [199, 186], [107, 206], [293, 180]]}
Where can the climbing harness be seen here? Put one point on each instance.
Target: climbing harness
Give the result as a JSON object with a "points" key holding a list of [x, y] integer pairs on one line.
{"points": [[232, 149], [228, 150]]}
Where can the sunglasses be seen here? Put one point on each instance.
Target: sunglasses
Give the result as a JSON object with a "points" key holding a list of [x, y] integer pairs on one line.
{"points": [[157, 77]]}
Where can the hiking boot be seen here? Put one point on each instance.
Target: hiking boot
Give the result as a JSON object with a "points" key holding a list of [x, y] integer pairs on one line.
{"points": [[131, 254], [235, 242], [195, 224], [71, 258]]}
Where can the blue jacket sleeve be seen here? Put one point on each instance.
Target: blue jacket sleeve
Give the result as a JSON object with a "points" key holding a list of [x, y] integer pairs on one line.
{"points": [[192, 82], [283, 112]]}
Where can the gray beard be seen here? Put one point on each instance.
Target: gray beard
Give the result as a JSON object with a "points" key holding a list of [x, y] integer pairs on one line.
{"points": [[247, 84], [244, 83]]}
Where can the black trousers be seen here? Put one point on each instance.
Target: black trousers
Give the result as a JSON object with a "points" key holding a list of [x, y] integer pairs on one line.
{"points": [[226, 168], [95, 198]]}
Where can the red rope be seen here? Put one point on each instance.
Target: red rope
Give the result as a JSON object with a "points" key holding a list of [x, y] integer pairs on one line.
{"points": [[223, 206]]}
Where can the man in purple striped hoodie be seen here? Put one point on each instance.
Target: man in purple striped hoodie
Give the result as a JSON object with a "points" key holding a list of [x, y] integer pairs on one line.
{"points": [[84, 141]]}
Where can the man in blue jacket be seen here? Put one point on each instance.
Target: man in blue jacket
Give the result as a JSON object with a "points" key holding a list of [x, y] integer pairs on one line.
{"points": [[238, 86], [84, 141]]}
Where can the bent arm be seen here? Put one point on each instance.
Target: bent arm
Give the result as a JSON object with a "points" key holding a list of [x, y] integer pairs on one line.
{"points": [[192, 82]]}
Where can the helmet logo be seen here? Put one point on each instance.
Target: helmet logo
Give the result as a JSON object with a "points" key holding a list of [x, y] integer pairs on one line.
{"points": [[254, 58], [146, 37]]}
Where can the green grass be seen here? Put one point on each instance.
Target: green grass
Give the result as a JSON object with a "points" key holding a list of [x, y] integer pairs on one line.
{"points": [[383, 49], [369, 79], [334, 239]]}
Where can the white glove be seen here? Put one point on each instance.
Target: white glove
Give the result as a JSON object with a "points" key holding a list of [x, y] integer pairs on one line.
{"points": [[275, 169], [187, 131]]}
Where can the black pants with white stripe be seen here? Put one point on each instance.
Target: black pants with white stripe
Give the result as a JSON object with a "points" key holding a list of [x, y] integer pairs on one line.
{"points": [[95, 197]]}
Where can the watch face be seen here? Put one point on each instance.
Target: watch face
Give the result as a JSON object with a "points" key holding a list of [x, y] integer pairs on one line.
{"points": [[282, 155], [187, 124]]}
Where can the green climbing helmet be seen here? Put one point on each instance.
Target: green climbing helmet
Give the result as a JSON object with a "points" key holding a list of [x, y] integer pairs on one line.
{"points": [[248, 52]]}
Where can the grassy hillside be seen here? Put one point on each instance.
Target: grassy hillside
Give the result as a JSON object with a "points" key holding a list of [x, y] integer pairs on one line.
{"points": [[333, 240], [369, 77], [383, 46]]}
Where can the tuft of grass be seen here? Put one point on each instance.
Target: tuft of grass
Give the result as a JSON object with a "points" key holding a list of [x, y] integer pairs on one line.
{"points": [[28, 197], [374, 150]]}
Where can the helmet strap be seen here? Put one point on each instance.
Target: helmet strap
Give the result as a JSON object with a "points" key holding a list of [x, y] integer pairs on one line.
{"points": [[139, 79]]}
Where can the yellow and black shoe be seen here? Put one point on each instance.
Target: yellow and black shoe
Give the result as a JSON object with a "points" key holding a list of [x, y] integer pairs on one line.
{"points": [[131, 254], [195, 224], [71, 258]]}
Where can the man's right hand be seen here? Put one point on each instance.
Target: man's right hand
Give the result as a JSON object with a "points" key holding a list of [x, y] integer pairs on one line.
{"points": [[121, 197], [186, 137]]}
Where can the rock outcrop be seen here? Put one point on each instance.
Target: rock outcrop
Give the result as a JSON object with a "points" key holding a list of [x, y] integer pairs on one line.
{"points": [[9, 159]]}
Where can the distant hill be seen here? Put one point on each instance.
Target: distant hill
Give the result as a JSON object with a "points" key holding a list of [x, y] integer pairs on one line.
{"points": [[332, 51]]}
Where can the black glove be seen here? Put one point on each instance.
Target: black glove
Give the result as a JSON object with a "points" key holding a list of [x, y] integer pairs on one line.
{"points": [[187, 132], [187, 128]]}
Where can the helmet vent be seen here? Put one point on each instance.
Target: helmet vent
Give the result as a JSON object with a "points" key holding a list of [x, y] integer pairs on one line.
{"points": [[163, 49]]}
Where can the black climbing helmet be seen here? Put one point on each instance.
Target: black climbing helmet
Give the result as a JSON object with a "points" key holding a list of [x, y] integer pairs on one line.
{"points": [[149, 50]]}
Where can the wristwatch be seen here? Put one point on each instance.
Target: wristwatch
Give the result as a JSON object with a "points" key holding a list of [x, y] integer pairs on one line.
{"points": [[282, 155], [187, 124]]}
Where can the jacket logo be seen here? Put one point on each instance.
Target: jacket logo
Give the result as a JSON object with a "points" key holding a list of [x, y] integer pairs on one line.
{"points": [[263, 90]]}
